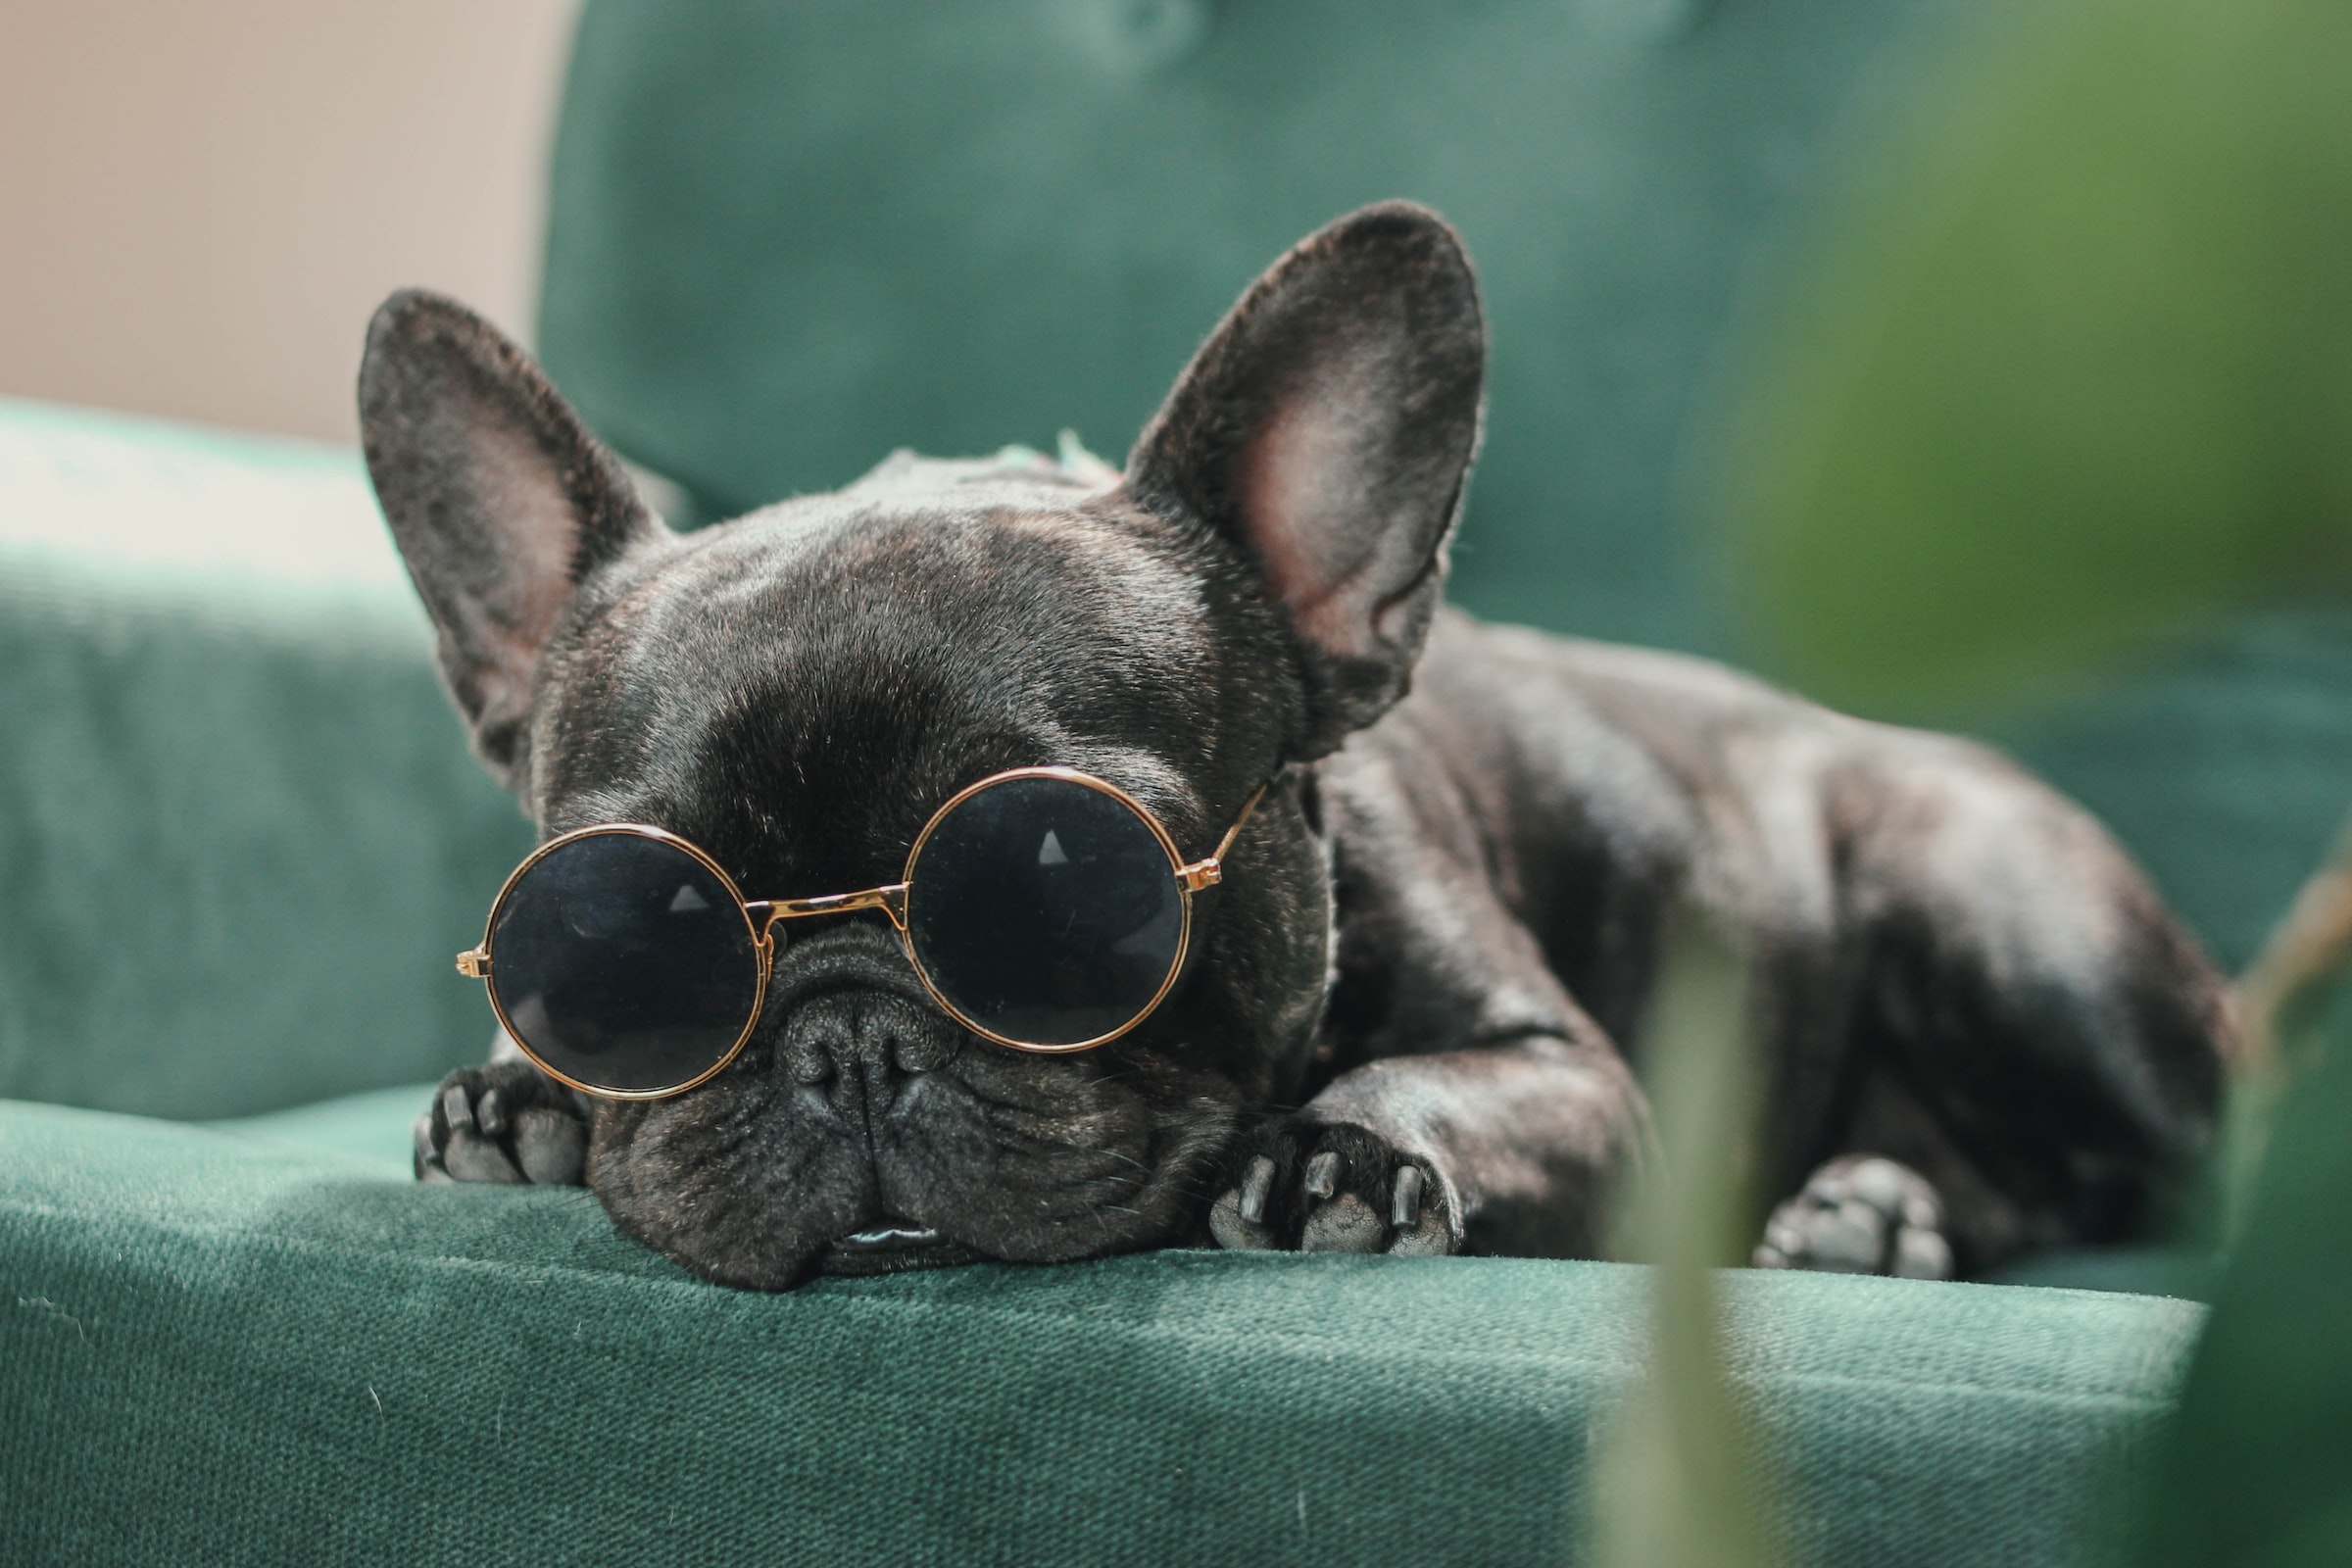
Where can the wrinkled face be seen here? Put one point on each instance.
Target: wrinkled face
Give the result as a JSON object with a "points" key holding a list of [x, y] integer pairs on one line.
{"points": [[797, 692]]}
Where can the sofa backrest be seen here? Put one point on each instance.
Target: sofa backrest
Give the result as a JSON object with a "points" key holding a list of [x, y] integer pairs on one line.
{"points": [[789, 238]]}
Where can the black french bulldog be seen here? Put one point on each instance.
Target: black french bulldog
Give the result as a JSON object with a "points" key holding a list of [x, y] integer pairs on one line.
{"points": [[1400, 1026]]}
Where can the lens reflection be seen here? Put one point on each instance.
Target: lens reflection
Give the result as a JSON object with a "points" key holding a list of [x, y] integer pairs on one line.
{"points": [[623, 962], [1046, 911]]}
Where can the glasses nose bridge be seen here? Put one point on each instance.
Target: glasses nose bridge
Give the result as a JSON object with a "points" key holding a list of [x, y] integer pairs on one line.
{"points": [[890, 899]]}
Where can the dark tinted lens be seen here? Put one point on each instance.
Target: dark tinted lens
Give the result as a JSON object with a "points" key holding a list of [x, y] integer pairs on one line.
{"points": [[623, 962], [1046, 911]]}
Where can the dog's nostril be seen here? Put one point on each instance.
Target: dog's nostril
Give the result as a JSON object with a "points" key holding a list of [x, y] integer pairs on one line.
{"points": [[805, 1050], [895, 1033], [921, 1044], [822, 1040]]}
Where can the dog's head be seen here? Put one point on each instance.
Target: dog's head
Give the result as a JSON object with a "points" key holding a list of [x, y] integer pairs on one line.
{"points": [[799, 690]]}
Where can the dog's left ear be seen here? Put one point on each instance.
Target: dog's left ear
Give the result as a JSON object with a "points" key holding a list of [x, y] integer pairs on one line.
{"points": [[501, 500], [1327, 428]]}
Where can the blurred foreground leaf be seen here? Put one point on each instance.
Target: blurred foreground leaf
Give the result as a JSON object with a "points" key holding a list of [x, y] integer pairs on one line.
{"points": [[1675, 1485], [2075, 367], [2260, 1466]]}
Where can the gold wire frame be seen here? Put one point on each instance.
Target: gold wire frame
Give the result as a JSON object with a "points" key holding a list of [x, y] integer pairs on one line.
{"points": [[760, 917], [477, 963]]}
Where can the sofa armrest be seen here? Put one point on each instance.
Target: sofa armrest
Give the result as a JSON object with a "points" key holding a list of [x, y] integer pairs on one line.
{"points": [[239, 833], [272, 1346]]}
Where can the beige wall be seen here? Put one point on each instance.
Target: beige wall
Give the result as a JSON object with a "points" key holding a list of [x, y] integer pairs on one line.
{"points": [[202, 200]]}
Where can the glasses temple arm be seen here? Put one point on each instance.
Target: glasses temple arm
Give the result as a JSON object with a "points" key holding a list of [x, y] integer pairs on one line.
{"points": [[1225, 843], [1209, 872]]}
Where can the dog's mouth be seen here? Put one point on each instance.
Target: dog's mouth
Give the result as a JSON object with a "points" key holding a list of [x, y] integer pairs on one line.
{"points": [[891, 1245]]}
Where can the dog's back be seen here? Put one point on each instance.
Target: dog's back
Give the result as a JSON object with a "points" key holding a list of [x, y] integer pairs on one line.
{"points": [[1956, 967]]}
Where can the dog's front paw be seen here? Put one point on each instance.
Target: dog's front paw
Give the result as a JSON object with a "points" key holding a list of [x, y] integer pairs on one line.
{"points": [[1860, 1214], [507, 1122], [1317, 1186]]}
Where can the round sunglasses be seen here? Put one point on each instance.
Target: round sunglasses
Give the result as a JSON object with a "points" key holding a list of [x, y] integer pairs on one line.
{"points": [[1043, 908]]}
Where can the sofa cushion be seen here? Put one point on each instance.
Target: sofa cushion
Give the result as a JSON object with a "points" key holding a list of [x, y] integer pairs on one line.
{"points": [[239, 832], [259, 1341]]}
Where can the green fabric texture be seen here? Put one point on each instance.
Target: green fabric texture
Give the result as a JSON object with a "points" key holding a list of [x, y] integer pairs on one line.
{"points": [[238, 828], [263, 1343], [787, 238]]}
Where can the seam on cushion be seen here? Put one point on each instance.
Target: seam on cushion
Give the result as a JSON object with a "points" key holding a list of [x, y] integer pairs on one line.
{"points": [[1881, 1383]]}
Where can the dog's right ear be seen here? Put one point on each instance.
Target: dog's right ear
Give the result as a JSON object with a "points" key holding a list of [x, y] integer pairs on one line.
{"points": [[1326, 429], [501, 500]]}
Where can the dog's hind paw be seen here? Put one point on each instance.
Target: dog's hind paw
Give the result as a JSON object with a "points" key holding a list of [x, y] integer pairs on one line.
{"points": [[1860, 1214], [1314, 1187], [504, 1123]]}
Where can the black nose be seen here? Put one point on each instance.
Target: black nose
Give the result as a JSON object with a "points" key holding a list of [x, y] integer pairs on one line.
{"points": [[853, 1015], [865, 1044]]}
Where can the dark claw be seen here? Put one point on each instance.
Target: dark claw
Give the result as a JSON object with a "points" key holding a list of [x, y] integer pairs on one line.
{"points": [[1406, 1210], [423, 1134], [490, 1115], [1257, 1182], [456, 1109], [1323, 1174]]}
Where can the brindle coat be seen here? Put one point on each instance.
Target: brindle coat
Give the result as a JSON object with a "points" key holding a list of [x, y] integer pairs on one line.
{"points": [[1400, 1023]]}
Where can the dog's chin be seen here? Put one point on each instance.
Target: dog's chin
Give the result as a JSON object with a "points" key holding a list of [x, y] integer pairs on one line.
{"points": [[894, 1247], [887, 1247]]}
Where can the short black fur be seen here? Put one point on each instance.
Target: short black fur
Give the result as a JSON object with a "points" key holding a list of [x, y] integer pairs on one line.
{"points": [[1399, 1028]]}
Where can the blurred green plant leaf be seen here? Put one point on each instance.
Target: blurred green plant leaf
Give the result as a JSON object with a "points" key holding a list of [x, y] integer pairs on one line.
{"points": [[2073, 368], [2259, 1467], [1676, 1483]]}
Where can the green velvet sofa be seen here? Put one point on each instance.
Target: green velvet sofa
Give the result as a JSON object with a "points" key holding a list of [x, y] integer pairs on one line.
{"points": [[239, 839]]}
